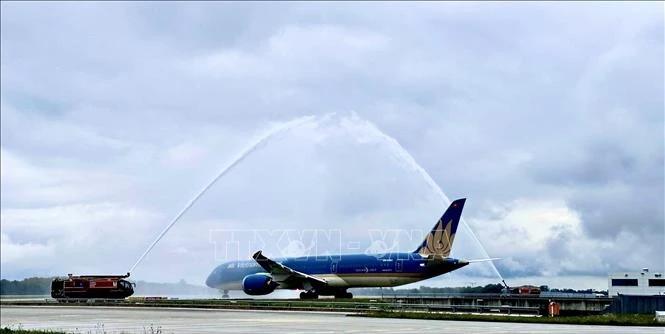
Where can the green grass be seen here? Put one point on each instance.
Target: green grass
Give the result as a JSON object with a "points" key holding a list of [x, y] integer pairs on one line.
{"points": [[607, 319]]}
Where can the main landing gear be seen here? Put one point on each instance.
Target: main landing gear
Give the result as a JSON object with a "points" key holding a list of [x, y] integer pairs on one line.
{"points": [[225, 294], [315, 295], [309, 295], [344, 295]]}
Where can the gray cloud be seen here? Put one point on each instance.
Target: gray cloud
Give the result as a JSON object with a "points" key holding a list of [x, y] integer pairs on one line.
{"points": [[119, 113]]}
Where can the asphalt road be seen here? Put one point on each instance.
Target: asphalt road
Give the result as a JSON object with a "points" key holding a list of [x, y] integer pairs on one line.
{"points": [[176, 320]]}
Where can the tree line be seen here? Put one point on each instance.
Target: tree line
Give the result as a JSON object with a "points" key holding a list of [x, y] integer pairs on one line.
{"points": [[27, 286], [489, 288]]}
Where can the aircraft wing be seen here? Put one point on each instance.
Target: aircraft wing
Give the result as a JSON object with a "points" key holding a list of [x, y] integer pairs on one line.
{"points": [[285, 275]]}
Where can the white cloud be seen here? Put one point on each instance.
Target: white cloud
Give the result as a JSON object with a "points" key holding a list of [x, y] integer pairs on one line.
{"points": [[185, 155], [31, 184], [534, 221], [54, 239], [24, 255], [551, 111], [547, 237], [293, 55]]}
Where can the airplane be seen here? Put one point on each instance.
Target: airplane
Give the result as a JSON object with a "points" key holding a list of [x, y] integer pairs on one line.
{"points": [[333, 275]]}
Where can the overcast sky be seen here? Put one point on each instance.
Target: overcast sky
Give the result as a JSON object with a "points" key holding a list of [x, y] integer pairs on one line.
{"points": [[548, 117]]}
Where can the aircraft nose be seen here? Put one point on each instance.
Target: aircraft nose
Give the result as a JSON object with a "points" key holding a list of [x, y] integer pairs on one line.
{"points": [[213, 278]]}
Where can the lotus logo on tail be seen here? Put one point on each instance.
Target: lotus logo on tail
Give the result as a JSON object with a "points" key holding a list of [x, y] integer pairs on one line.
{"points": [[439, 242]]}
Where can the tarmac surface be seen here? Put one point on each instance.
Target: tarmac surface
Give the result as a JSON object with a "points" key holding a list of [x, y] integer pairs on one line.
{"points": [[99, 319]]}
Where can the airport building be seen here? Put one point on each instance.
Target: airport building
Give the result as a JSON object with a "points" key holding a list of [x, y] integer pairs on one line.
{"points": [[642, 283]]}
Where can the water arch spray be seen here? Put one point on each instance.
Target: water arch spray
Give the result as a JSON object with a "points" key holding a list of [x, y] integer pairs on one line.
{"points": [[361, 127]]}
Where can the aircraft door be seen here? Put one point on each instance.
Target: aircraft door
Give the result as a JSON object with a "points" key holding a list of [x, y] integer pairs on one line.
{"points": [[398, 266], [333, 267]]}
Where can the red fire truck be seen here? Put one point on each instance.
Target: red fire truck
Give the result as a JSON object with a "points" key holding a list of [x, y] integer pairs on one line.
{"points": [[521, 290], [78, 288], [526, 290]]}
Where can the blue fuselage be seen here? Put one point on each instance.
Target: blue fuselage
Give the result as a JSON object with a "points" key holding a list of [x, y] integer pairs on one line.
{"points": [[343, 271]]}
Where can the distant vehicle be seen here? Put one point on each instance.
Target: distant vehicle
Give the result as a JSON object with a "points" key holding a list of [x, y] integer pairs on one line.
{"points": [[78, 288], [522, 290], [527, 290], [333, 275]]}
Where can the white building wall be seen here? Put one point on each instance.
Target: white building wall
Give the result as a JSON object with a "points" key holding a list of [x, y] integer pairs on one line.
{"points": [[642, 287]]}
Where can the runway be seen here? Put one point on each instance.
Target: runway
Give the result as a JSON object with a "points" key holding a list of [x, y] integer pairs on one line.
{"points": [[101, 319]]}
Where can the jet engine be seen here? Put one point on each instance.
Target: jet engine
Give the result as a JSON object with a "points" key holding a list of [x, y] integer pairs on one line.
{"points": [[258, 284]]}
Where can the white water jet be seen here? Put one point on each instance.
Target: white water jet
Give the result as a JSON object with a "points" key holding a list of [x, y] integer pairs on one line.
{"points": [[403, 156], [261, 139], [366, 127]]}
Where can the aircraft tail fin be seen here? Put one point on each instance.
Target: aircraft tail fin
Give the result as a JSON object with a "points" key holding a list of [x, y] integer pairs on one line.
{"points": [[439, 242]]}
